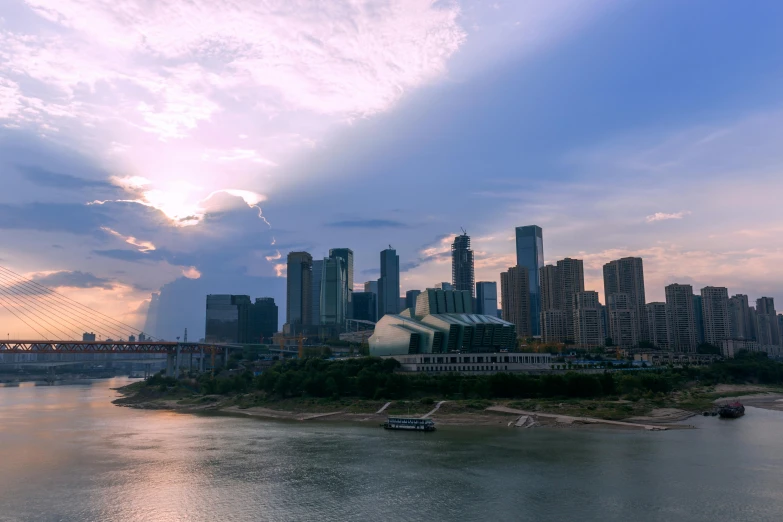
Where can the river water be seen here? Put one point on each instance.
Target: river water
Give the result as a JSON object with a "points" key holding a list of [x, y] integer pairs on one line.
{"points": [[68, 454]]}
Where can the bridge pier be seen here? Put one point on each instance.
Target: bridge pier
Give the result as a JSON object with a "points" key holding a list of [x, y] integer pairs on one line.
{"points": [[178, 368], [170, 364], [201, 361]]}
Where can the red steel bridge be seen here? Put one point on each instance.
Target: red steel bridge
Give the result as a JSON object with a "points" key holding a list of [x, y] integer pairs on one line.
{"points": [[55, 318]]}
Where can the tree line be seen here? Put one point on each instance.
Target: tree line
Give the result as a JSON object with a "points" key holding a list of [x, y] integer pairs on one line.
{"points": [[375, 378]]}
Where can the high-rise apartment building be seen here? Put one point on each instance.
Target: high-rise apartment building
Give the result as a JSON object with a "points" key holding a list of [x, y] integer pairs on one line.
{"points": [[444, 286], [658, 325], [683, 333], [333, 293], [626, 276], [739, 317], [487, 298], [698, 317], [552, 318], [715, 310], [299, 292], [346, 254], [389, 283], [530, 255], [767, 330], [550, 288], [315, 284], [515, 294], [588, 331], [462, 264], [410, 298], [623, 323], [571, 281]]}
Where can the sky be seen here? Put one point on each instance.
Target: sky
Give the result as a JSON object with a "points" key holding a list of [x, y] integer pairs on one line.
{"points": [[184, 147]]}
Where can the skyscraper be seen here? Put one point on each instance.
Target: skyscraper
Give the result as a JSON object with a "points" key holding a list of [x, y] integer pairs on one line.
{"points": [[462, 264], [410, 298], [515, 294], [658, 325], [389, 283], [372, 286], [767, 330], [552, 319], [715, 310], [588, 330], [626, 276], [571, 281], [623, 323], [365, 306], [487, 298], [346, 254], [299, 292], [333, 292], [683, 333], [227, 319], [698, 319], [315, 284], [530, 255], [739, 317], [263, 319]]}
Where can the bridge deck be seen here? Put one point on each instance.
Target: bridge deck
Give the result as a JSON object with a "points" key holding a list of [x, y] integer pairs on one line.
{"points": [[164, 347]]}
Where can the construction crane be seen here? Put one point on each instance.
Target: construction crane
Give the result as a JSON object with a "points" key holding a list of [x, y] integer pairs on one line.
{"points": [[300, 338]]}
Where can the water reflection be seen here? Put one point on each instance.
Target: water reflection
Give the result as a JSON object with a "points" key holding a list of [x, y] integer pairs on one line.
{"points": [[68, 454]]}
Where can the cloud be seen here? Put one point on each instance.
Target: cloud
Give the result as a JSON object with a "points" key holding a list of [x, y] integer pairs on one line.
{"points": [[191, 272], [143, 246], [368, 223], [76, 279], [662, 216], [53, 217], [46, 178]]}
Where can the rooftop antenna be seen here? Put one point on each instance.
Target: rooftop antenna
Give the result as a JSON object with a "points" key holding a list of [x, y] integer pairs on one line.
{"points": [[390, 247]]}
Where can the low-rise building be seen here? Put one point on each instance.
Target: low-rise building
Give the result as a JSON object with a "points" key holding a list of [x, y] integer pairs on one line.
{"points": [[476, 363]]}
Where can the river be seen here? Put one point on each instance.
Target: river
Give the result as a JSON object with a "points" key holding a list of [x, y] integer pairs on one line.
{"points": [[68, 454]]}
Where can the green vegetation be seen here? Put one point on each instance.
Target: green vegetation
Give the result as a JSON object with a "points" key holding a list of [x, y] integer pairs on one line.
{"points": [[362, 385]]}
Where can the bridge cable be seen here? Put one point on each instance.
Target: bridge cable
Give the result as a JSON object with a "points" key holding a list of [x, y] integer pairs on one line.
{"points": [[2, 302], [38, 314], [70, 301], [36, 288], [39, 299], [34, 293], [19, 306]]}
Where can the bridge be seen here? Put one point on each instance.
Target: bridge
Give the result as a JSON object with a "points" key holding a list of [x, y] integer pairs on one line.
{"points": [[57, 319]]}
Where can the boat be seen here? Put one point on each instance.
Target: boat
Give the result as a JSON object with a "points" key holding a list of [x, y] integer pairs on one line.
{"points": [[409, 423], [731, 410]]}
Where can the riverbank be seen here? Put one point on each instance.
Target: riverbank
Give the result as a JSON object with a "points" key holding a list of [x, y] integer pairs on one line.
{"points": [[659, 413]]}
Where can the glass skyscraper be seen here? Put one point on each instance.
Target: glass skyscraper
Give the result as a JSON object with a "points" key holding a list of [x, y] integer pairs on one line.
{"points": [[389, 283], [530, 255]]}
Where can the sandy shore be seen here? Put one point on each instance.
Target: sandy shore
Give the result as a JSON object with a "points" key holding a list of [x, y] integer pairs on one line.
{"points": [[494, 416]]}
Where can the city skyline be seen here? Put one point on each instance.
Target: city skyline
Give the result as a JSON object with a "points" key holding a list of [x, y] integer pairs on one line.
{"points": [[194, 174]]}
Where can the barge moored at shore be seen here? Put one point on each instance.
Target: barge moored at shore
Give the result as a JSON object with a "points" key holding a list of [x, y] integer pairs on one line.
{"points": [[409, 423], [731, 411]]}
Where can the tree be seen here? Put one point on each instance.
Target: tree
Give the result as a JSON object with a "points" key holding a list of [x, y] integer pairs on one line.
{"points": [[708, 348]]}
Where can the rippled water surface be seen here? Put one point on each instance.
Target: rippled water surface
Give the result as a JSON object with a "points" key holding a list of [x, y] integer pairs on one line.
{"points": [[66, 453]]}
